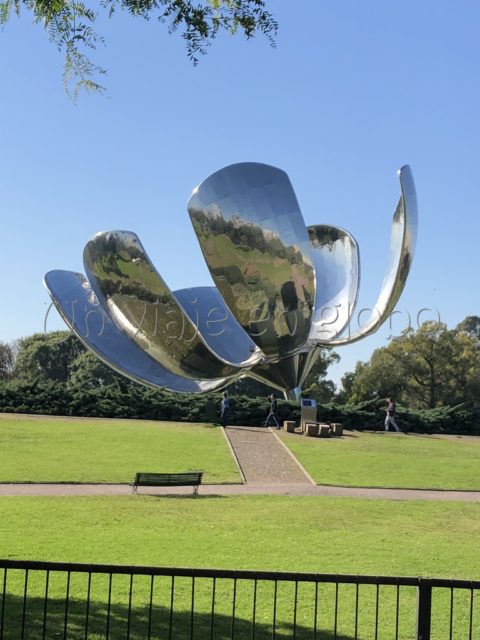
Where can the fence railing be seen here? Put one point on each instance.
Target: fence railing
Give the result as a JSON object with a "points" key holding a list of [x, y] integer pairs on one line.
{"points": [[40, 600]]}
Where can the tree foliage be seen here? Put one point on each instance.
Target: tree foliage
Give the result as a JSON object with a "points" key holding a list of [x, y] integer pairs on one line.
{"points": [[249, 387], [471, 326], [316, 384], [69, 25], [54, 397], [431, 367], [46, 356], [59, 355], [53, 373], [434, 374], [7, 360], [88, 372]]}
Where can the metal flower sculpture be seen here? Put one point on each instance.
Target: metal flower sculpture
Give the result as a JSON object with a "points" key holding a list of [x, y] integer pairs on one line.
{"points": [[283, 290]]}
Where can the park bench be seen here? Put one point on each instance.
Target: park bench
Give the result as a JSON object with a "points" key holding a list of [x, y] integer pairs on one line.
{"points": [[187, 479]]}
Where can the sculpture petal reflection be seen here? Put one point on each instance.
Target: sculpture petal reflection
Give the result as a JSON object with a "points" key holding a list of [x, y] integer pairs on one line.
{"points": [[402, 248], [337, 267], [219, 329], [253, 238], [287, 375], [142, 305], [283, 291], [79, 307]]}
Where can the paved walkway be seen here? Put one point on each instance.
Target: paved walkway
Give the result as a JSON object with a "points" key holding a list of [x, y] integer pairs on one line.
{"points": [[238, 489], [264, 459]]}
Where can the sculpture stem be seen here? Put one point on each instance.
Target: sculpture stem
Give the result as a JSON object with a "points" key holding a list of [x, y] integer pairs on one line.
{"points": [[293, 394]]}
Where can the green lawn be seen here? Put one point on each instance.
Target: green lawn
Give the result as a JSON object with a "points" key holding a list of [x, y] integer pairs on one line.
{"points": [[329, 535], [85, 450], [280, 533], [390, 460], [339, 535]]}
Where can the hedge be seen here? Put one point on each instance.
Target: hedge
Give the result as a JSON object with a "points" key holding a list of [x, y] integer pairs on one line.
{"points": [[130, 400]]}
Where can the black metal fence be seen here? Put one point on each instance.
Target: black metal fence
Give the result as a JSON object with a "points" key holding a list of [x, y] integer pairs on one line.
{"points": [[40, 600]]}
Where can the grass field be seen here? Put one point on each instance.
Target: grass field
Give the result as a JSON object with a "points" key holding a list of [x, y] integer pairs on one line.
{"points": [[279, 533], [328, 535], [389, 460], [82, 450], [339, 535], [44, 449]]}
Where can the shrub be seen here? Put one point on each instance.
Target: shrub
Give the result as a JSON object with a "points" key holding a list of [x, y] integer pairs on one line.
{"points": [[129, 400]]}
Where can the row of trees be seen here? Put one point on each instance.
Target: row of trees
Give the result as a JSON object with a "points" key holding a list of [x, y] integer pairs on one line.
{"points": [[425, 368], [433, 373], [125, 400], [431, 367], [62, 357]]}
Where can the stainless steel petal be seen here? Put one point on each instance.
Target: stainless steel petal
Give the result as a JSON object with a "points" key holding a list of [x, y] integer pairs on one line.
{"points": [[289, 374], [220, 330], [402, 248], [143, 306], [337, 270], [90, 321], [253, 237]]}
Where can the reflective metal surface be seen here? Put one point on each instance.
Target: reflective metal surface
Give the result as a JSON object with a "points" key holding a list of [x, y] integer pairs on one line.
{"points": [[289, 374], [219, 329], [77, 304], [337, 269], [253, 237], [142, 305], [282, 291], [402, 247]]}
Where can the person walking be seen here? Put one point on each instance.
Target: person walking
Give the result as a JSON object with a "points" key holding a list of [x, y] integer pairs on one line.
{"points": [[273, 411], [390, 416], [224, 407]]}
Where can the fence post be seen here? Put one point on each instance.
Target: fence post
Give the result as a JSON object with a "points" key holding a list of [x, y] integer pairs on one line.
{"points": [[424, 610]]}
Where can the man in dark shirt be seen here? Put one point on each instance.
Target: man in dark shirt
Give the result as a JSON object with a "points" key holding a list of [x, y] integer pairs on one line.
{"points": [[273, 411]]}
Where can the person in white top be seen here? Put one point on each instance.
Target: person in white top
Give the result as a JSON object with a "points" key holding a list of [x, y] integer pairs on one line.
{"points": [[224, 406], [390, 417]]}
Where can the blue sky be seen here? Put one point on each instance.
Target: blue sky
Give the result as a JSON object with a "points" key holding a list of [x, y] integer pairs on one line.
{"points": [[352, 91]]}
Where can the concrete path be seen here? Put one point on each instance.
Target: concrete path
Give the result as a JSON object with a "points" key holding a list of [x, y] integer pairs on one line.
{"points": [[263, 458], [298, 489]]}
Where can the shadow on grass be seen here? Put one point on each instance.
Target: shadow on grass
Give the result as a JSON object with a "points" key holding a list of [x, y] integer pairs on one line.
{"points": [[182, 496], [53, 619]]}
